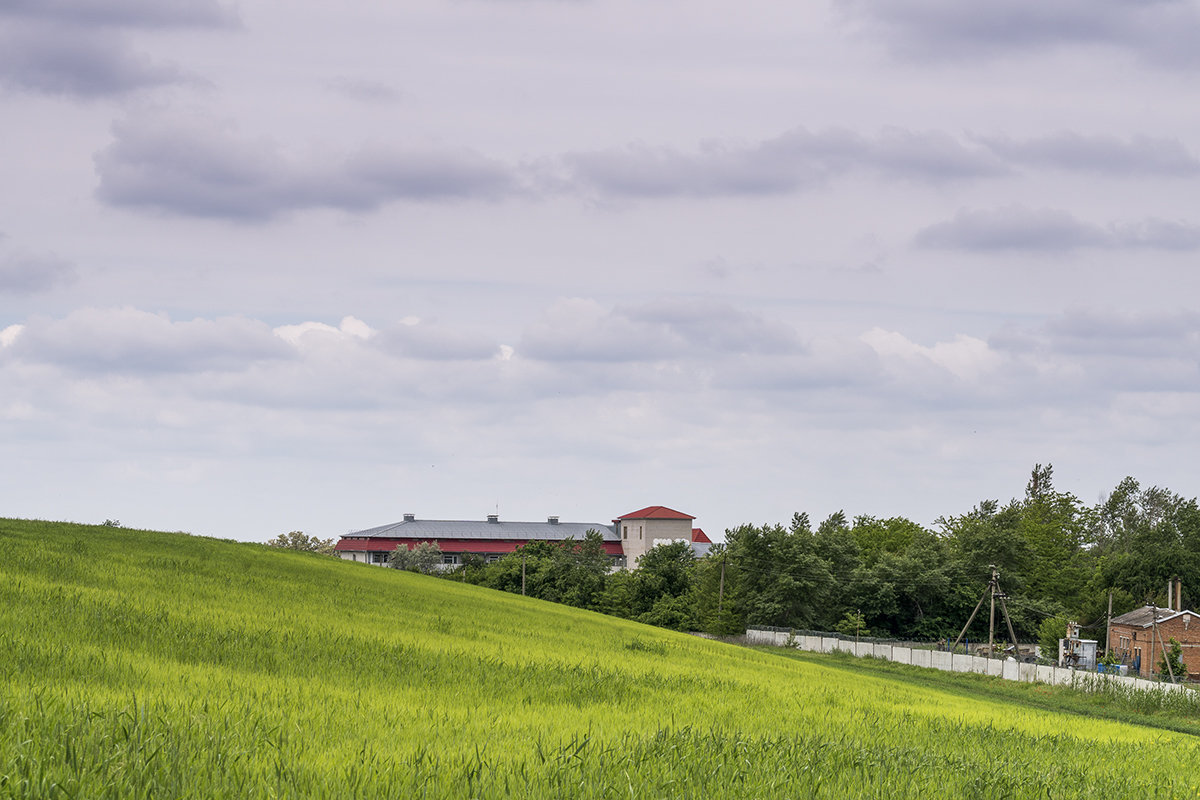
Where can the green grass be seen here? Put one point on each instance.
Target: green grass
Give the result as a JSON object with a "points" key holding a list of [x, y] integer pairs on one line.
{"points": [[1153, 708], [136, 664]]}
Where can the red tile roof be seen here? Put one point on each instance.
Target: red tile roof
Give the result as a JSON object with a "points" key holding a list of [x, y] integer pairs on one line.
{"points": [[656, 512], [699, 535]]}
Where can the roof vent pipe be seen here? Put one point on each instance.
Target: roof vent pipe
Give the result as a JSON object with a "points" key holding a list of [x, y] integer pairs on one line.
{"points": [[493, 517], [1170, 594], [410, 517], [552, 520]]}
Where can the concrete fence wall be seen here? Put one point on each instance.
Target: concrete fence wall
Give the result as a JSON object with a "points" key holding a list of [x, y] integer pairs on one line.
{"points": [[904, 653]]}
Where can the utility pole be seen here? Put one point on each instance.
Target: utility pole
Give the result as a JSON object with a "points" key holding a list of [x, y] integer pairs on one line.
{"points": [[992, 615], [522, 571], [993, 591], [1108, 625], [1158, 633], [721, 590]]}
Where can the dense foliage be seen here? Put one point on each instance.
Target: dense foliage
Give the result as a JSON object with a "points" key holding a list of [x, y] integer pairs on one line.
{"points": [[1058, 559], [136, 664]]}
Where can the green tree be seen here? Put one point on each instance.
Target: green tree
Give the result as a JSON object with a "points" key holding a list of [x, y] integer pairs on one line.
{"points": [[1049, 632], [424, 557], [1173, 656], [299, 540], [852, 624]]}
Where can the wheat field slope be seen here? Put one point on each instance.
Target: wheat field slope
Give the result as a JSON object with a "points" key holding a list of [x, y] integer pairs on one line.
{"points": [[136, 664]]}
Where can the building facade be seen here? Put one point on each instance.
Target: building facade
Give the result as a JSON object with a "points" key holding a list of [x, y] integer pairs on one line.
{"points": [[625, 540], [1138, 637]]}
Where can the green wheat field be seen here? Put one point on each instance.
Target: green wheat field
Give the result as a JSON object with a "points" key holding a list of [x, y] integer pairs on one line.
{"points": [[136, 664]]}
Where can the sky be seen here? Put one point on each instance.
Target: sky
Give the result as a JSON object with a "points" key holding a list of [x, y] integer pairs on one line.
{"points": [[271, 266]]}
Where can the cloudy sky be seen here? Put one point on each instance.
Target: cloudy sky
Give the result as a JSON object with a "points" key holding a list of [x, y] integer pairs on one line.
{"points": [[275, 265]]}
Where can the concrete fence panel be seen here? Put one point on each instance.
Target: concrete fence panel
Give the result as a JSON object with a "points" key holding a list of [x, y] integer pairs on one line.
{"points": [[1010, 670], [940, 659], [922, 658], [882, 651], [1027, 672], [1044, 674], [995, 667], [759, 637], [902, 655], [960, 663], [828, 644], [979, 664], [864, 649]]}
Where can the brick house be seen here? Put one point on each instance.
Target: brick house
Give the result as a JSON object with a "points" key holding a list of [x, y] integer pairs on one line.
{"points": [[1133, 639]]}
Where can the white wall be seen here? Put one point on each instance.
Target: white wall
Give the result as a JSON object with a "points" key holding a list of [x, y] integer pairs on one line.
{"points": [[956, 662]]}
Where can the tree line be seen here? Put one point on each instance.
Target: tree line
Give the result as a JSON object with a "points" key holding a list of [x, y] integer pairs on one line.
{"points": [[1058, 558]]}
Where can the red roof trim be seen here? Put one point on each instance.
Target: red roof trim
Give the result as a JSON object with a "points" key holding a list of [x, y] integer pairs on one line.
{"points": [[700, 536], [656, 512], [379, 544]]}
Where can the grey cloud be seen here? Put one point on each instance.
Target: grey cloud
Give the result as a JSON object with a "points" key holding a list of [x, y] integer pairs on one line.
{"points": [[580, 330], [1163, 31], [794, 160], [74, 62], [363, 90], [202, 169], [1019, 228], [133, 13], [1105, 351], [434, 343], [24, 273], [1139, 155], [129, 341], [1129, 334]]}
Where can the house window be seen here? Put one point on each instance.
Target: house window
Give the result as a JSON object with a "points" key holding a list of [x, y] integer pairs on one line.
{"points": [[624, 531], [492, 558], [450, 558], [379, 558]]}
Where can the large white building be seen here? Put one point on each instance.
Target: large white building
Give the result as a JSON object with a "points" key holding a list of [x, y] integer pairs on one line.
{"points": [[626, 539]]}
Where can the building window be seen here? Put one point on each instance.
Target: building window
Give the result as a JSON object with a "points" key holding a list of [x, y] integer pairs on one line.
{"points": [[450, 558], [379, 558], [492, 558], [624, 531]]}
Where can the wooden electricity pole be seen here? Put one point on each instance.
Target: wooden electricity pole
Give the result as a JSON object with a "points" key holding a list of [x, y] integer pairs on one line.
{"points": [[522, 571], [721, 589], [992, 615], [993, 591], [1108, 625], [1158, 633]]}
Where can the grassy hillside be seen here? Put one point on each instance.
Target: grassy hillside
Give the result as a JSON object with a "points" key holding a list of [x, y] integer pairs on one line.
{"points": [[139, 664]]}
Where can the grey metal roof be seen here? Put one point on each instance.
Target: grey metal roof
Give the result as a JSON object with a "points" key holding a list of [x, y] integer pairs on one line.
{"points": [[480, 529], [1145, 616]]}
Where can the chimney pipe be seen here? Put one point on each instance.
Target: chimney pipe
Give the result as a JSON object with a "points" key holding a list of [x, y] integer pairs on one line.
{"points": [[552, 520], [1170, 593], [493, 517], [1179, 594], [410, 517]]}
